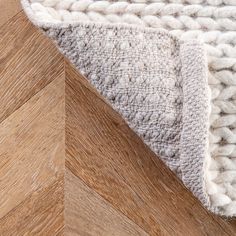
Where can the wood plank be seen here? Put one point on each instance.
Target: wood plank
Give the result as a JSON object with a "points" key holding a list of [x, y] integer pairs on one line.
{"points": [[9, 8], [41, 213], [87, 213], [113, 161], [32, 144], [28, 62]]}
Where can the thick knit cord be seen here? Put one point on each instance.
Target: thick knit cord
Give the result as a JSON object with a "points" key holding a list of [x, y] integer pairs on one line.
{"points": [[172, 16], [203, 2], [212, 22]]}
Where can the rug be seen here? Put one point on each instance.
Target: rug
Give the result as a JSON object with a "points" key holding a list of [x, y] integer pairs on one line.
{"points": [[168, 67]]}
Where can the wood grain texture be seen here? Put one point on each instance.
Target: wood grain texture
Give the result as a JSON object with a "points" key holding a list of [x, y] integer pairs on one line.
{"points": [[110, 158], [28, 62], [87, 213], [31, 131], [32, 157], [41, 213], [32, 146], [53, 122], [8, 9]]}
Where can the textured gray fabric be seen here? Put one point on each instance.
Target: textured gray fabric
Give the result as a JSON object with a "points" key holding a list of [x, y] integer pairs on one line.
{"points": [[130, 69], [157, 83], [196, 111]]}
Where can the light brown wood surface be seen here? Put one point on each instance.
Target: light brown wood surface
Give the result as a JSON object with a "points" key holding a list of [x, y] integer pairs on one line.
{"points": [[98, 216], [8, 8], [69, 165]]}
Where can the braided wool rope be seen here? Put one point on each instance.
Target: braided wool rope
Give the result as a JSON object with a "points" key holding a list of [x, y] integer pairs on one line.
{"points": [[171, 16], [214, 23], [203, 2]]}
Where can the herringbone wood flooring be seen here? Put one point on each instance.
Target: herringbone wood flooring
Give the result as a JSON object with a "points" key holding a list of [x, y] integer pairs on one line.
{"points": [[69, 165]]}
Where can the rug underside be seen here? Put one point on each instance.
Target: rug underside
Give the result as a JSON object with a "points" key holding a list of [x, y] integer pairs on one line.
{"points": [[148, 60]]}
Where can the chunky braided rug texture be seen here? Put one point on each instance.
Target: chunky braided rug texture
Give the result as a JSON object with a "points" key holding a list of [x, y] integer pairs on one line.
{"points": [[115, 45]]}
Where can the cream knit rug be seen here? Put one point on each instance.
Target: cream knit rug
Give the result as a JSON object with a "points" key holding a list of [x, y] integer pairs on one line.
{"points": [[157, 79]]}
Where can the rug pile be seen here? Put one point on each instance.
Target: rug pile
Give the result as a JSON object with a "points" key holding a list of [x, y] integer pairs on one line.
{"points": [[169, 68]]}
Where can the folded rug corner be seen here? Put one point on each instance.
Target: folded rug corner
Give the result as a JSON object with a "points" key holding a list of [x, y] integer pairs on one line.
{"points": [[169, 69]]}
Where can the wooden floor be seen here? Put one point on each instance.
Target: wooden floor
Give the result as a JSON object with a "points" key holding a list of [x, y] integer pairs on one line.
{"points": [[69, 165]]}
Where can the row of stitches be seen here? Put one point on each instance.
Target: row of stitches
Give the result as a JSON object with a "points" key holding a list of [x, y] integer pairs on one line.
{"points": [[221, 186], [222, 174], [203, 2], [173, 16], [107, 7]]}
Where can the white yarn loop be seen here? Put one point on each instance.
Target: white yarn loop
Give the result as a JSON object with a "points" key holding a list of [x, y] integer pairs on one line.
{"points": [[228, 150], [222, 121]]}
